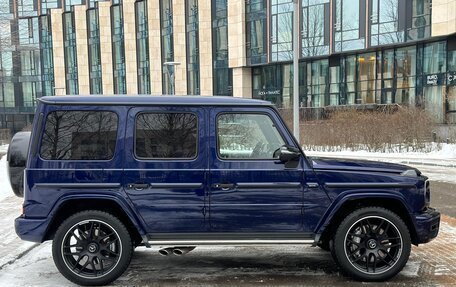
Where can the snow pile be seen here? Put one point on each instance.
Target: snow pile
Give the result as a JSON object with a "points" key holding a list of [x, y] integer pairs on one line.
{"points": [[423, 148], [434, 152], [3, 149], [5, 187]]}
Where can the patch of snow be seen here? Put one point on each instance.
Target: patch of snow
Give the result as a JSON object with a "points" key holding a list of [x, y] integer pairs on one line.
{"points": [[430, 151], [3, 149], [5, 187]]}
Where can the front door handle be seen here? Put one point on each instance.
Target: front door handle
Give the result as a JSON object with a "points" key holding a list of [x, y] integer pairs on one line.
{"points": [[223, 186], [138, 186]]}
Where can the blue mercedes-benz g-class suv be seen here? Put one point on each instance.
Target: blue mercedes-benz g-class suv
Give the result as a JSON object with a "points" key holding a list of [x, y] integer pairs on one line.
{"points": [[104, 174]]}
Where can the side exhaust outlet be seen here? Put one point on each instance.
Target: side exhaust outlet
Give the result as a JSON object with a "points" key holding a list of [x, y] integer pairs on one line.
{"points": [[179, 251], [166, 251]]}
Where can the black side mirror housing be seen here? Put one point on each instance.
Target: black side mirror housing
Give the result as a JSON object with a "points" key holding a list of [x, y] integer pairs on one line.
{"points": [[289, 155]]}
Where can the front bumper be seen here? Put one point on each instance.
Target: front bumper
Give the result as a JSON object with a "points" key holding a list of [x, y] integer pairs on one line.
{"points": [[30, 229], [427, 225]]}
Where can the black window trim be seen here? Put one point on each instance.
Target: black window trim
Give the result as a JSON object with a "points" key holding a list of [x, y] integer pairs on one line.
{"points": [[197, 151], [43, 127], [219, 157]]}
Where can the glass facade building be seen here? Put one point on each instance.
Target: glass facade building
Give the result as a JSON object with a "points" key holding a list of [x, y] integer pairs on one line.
{"points": [[352, 52]]}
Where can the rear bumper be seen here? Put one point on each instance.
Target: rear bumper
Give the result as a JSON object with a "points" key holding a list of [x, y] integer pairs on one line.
{"points": [[427, 225], [30, 229]]}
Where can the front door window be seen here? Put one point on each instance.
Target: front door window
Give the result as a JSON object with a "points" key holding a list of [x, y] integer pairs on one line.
{"points": [[247, 136]]}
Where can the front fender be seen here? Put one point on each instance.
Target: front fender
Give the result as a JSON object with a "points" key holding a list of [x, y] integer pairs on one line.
{"points": [[353, 195]]}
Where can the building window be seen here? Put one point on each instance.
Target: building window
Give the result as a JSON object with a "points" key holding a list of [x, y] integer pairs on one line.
{"points": [[318, 84], [256, 22], [434, 69], [70, 3], [421, 20], [366, 78], [93, 33], [222, 74], [167, 44], [350, 80], [77, 135], [118, 49], [47, 61], [315, 28], [193, 62], [405, 75], [349, 27], [451, 83], [71, 65], [142, 47], [167, 135], [335, 76], [281, 30], [385, 25], [50, 4]]}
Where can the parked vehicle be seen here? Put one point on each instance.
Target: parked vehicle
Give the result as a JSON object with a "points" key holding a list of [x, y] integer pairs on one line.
{"points": [[105, 174]]}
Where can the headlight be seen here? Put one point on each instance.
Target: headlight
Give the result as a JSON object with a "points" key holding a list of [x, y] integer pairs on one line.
{"points": [[410, 172]]}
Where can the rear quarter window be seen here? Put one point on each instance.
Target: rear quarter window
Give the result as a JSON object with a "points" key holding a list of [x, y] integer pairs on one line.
{"points": [[79, 135]]}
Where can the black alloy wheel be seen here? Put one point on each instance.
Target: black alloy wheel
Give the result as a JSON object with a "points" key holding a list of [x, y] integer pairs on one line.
{"points": [[372, 244], [92, 248]]}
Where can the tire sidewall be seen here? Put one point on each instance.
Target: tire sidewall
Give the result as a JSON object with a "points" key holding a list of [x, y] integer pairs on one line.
{"points": [[339, 244], [125, 240]]}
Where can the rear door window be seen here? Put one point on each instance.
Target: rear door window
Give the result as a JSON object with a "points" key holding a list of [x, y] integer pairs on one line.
{"points": [[79, 135], [166, 136]]}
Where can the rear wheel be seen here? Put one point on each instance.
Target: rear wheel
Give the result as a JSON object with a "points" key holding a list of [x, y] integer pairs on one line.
{"points": [[92, 248], [372, 244]]}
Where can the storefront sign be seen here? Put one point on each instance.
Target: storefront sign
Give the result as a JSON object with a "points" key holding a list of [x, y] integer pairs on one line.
{"points": [[269, 93], [451, 79], [433, 80]]}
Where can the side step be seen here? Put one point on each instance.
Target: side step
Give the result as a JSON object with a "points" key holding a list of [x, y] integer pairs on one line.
{"points": [[230, 242]]}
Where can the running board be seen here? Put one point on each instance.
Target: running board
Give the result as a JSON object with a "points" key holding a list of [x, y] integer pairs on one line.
{"points": [[230, 242]]}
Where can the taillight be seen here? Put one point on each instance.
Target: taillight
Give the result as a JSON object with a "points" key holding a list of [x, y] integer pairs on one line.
{"points": [[427, 193]]}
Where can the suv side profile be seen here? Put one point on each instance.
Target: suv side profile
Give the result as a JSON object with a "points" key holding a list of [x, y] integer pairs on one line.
{"points": [[105, 174]]}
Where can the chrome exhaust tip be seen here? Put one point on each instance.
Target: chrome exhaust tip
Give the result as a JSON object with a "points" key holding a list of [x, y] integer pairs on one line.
{"points": [[179, 251], [165, 251]]}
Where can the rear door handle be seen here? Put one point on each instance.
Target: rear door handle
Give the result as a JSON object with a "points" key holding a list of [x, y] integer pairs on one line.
{"points": [[137, 186], [223, 186]]}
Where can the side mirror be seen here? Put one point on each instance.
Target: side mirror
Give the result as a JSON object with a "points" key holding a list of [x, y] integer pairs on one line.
{"points": [[288, 154]]}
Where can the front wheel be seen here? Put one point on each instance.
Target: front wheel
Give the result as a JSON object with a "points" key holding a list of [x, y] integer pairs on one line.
{"points": [[372, 244], [92, 248]]}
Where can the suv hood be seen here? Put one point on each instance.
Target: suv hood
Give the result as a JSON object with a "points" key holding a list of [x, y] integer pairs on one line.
{"points": [[358, 165]]}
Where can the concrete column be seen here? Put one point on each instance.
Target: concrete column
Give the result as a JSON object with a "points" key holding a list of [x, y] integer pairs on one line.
{"points": [[153, 8], [443, 17], [242, 82], [104, 14], [80, 22], [58, 52], [236, 33], [129, 23], [205, 47], [180, 47]]}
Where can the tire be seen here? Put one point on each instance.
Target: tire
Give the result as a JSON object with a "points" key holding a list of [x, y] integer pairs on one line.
{"points": [[92, 248], [372, 244]]}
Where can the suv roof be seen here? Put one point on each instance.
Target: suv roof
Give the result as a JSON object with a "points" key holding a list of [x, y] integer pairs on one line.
{"points": [[142, 100]]}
